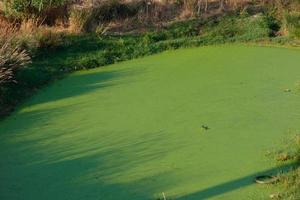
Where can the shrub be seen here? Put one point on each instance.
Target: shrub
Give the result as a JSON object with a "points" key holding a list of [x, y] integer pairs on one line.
{"points": [[292, 24], [50, 11], [239, 28], [34, 6]]}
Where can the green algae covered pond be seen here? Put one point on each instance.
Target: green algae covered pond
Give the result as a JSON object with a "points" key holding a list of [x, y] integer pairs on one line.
{"points": [[192, 124]]}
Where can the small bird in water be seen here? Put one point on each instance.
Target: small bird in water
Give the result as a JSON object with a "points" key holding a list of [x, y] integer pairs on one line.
{"points": [[205, 127]]}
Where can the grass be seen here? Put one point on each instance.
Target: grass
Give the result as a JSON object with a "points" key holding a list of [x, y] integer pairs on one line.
{"points": [[134, 130], [288, 183]]}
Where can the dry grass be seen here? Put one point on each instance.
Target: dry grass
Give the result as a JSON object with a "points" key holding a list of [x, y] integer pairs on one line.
{"points": [[12, 57], [20, 40]]}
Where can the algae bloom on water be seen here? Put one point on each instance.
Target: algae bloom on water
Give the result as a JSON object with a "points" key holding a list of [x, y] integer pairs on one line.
{"points": [[129, 130]]}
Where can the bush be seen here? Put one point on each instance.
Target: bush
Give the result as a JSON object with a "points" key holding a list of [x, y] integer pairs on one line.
{"points": [[292, 24], [237, 28], [34, 6], [49, 11]]}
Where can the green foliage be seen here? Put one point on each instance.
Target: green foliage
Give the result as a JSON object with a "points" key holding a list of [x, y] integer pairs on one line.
{"points": [[46, 10], [24, 6], [292, 21], [174, 31], [239, 29]]}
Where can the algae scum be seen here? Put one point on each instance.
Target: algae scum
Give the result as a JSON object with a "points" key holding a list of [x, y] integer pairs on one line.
{"points": [[192, 124]]}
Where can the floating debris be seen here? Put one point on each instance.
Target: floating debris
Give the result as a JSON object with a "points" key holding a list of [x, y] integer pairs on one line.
{"points": [[266, 179]]}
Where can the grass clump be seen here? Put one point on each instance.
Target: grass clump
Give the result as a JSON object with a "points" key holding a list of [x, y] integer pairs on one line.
{"points": [[12, 56], [289, 183]]}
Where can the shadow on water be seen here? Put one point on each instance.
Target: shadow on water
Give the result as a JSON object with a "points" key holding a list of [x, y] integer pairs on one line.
{"points": [[40, 160], [83, 169], [78, 84], [72, 86]]}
